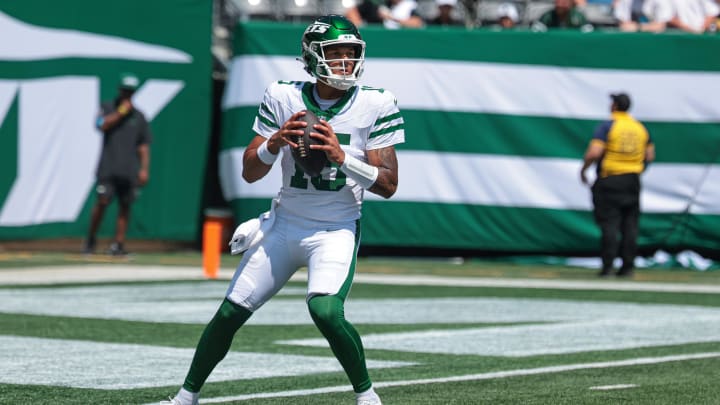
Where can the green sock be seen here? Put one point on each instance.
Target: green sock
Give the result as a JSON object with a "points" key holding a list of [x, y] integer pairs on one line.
{"points": [[328, 312], [215, 343]]}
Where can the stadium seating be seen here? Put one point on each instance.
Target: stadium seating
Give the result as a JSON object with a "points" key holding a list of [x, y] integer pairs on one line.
{"points": [[298, 10], [427, 9], [334, 6], [476, 12], [534, 10], [600, 13], [255, 9]]}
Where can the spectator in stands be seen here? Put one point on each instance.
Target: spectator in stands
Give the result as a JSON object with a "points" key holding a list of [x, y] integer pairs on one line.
{"points": [[565, 14], [696, 16], [400, 14], [508, 15], [445, 14], [124, 161], [643, 15], [621, 148], [365, 12]]}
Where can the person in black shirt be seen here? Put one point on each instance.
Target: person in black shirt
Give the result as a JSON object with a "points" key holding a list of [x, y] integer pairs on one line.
{"points": [[124, 162], [365, 12], [445, 14]]}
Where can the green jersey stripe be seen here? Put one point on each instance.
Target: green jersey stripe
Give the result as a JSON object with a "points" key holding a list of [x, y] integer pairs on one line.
{"points": [[386, 130], [267, 111], [343, 139], [267, 122], [388, 118]]}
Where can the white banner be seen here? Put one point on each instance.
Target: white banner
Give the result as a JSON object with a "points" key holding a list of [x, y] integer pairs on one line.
{"points": [[544, 91], [509, 181]]}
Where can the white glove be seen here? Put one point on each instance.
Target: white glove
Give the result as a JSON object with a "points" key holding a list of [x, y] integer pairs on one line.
{"points": [[252, 231], [243, 236]]}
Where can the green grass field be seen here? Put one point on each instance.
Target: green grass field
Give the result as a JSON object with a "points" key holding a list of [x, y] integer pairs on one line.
{"points": [[591, 342]]}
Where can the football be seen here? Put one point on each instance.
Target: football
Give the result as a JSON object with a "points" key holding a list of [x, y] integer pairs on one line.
{"points": [[310, 161]]}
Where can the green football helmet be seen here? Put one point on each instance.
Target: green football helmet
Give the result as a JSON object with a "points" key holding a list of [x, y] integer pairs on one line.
{"points": [[327, 31]]}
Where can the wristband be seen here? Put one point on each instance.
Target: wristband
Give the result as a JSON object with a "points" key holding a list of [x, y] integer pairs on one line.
{"points": [[265, 155], [363, 173], [123, 110]]}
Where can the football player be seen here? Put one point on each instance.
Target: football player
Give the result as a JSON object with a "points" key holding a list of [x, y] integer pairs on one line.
{"points": [[316, 219]]}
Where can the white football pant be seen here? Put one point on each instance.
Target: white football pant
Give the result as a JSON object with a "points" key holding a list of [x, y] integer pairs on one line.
{"points": [[328, 251]]}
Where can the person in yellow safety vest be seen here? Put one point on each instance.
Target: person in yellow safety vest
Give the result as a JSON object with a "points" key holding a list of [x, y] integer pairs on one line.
{"points": [[622, 148]]}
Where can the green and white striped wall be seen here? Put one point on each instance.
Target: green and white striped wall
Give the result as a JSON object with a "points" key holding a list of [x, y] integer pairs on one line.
{"points": [[496, 125]]}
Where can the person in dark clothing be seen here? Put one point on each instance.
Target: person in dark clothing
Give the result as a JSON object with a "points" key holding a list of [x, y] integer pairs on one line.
{"points": [[365, 12], [445, 14], [564, 15], [124, 162], [622, 148]]}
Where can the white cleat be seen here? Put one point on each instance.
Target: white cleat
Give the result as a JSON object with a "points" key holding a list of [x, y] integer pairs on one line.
{"points": [[368, 397], [373, 401], [183, 397], [175, 401]]}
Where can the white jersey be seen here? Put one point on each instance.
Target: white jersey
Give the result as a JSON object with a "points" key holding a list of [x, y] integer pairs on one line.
{"points": [[695, 12], [364, 119], [654, 10]]}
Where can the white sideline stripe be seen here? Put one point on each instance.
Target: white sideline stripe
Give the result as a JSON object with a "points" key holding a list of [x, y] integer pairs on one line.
{"points": [[613, 387], [473, 377], [603, 285], [99, 273]]}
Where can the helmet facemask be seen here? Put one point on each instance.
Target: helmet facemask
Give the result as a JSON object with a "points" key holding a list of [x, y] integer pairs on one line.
{"points": [[323, 33], [337, 76]]}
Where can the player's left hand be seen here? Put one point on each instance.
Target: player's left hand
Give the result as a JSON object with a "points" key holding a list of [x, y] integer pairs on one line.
{"points": [[325, 133]]}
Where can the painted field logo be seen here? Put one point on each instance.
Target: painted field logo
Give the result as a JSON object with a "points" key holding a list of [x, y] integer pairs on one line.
{"points": [[53, 114]]}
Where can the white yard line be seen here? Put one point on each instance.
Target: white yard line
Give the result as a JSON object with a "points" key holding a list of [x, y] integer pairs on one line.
{"points": [[471, 377], [623, 285], [98, 273], [613, 387]]}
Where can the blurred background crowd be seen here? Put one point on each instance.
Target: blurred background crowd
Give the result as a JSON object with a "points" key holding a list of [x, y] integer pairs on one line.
{"points": [[695, 16]]}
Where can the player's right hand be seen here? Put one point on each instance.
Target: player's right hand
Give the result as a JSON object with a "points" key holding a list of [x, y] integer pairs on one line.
{"points": [[287, 134]]}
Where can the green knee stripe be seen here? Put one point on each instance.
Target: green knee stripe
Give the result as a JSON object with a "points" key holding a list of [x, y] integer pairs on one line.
{"points": [[328, 313]]}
